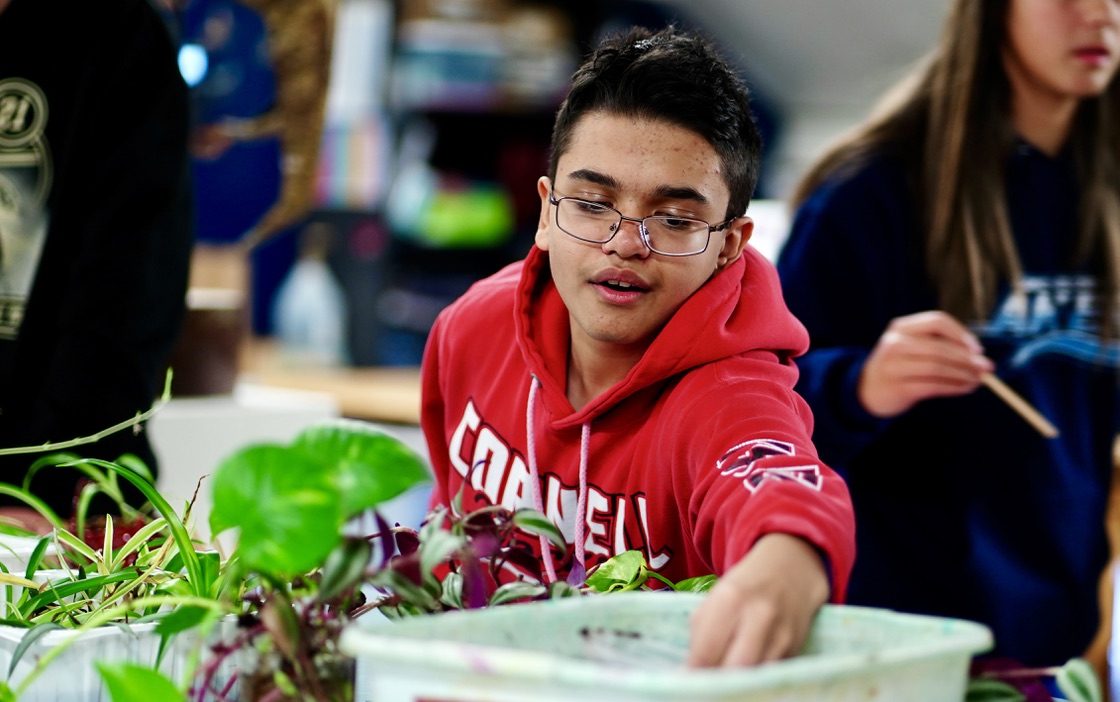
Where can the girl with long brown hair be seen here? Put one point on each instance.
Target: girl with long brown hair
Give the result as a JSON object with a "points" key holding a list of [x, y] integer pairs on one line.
{"points": [[970, 228]]}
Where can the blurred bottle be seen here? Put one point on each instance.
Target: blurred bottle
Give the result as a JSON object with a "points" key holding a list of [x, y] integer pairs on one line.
{"points": [[309, 313]]}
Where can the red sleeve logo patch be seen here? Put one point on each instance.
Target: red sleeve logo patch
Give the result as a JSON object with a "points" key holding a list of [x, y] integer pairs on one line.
{"points": [[742, 462]]}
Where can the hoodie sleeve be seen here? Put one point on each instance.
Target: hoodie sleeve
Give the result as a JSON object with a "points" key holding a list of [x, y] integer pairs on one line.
{"points": [[848, 267], [747, 463]]}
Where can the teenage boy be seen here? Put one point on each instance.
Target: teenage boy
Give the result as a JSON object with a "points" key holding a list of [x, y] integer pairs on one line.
{"points": [[633, 378]]}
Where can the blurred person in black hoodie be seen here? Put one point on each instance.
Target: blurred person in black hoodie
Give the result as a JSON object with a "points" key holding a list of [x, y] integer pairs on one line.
{"points": [[96, 228]]}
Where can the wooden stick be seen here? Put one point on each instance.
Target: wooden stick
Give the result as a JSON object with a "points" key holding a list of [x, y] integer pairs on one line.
{"points": [[1017, 403]]}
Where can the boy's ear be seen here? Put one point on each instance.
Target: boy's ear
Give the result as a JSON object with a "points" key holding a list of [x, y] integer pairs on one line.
{"points": [[735, 238], [544, 189]]}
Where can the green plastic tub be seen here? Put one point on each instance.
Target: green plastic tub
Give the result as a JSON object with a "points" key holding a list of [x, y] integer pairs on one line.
{"points": [[631, 647]]}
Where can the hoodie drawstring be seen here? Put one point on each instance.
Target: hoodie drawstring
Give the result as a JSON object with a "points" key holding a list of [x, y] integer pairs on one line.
{"points": [[581, 503], [535, 483]]}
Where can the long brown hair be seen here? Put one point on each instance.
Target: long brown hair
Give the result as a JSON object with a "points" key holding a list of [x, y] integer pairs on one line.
{"points": [[950, 119]]}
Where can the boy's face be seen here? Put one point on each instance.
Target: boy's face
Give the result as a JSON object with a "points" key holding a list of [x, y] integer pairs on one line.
{"points": [[640, 168]]}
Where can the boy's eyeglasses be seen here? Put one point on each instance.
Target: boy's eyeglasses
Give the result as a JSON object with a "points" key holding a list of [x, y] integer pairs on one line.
{"points": [[667, 235]]}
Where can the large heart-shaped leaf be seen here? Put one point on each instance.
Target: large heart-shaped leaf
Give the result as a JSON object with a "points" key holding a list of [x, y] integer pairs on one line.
{"points": [[369, 465], [286, 505]]}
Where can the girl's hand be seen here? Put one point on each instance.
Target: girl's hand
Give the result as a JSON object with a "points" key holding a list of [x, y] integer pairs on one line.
{"points": [[919, 356]]}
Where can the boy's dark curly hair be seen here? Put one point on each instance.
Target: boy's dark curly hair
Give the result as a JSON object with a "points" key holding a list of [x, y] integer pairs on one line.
{"points": [[675, 76]]}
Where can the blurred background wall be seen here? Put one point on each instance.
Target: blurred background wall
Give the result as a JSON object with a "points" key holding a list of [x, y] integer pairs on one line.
{"points": [[435, 126]]}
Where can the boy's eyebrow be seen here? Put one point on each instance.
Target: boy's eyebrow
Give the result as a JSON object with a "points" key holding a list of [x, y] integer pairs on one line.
{"points": [[668, 192], [680, 192], [595, 177]]}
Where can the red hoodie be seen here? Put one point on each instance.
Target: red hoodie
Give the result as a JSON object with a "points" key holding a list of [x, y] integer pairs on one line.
{"points": [[700, 450]]}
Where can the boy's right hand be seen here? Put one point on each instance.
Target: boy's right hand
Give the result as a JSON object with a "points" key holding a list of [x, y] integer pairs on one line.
{"points": [[762, 608]]}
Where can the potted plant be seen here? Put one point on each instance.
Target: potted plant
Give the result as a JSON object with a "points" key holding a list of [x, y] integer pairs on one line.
{"points": [[296, 575], [290, 583], [300, 571], [93, 570], [304, 578], [135, 576], [293, 581], [306, 570]]}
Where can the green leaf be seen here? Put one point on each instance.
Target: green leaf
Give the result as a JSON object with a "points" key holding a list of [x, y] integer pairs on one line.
{"points": [[344, 567], [283, 683], [178, 529], [50, 460], [533, 522], [61, 588], [990, 690], [209, 571], [437, 547], [138, 541], [1078, 681], [561, 588], [369, 466], [129, 682], [452, 591], [516, 590], [282, 624], [33, 634], [137, 466], [618, 572], [76, 545], [181, 619], [9, 579], [6, 694], [285, 504], [412, 594], [37, 555], [31, 501], [701, 583]]}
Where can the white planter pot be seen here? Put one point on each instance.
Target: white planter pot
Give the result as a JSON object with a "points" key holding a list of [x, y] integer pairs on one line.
{"points": [[72, 675], [15, 550]]}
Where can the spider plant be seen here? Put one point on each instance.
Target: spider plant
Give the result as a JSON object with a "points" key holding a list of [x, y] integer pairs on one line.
{"points": [[126, 567]]}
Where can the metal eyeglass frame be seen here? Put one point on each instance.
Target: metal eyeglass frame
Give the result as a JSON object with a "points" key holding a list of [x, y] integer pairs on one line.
{"points": [[640, 221]]}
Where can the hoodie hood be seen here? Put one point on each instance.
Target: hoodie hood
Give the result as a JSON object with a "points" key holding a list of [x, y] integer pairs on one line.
{"points": [[739, 311]]}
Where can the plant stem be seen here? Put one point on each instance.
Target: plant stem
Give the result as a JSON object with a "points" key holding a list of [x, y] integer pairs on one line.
{"points": [[136, 421], [1021, 673]]}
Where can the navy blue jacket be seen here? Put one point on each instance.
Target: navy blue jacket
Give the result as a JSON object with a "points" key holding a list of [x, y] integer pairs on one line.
{"points": [[962, 508]]}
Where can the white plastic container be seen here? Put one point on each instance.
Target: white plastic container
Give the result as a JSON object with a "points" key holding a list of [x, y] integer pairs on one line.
{"points": [[631, 648], [16, 550], [72, 675]]}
